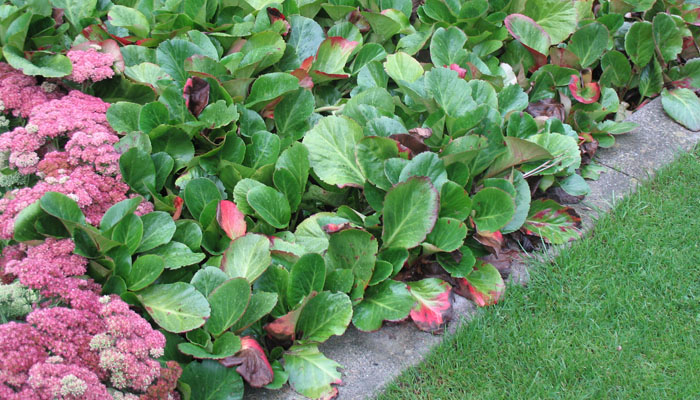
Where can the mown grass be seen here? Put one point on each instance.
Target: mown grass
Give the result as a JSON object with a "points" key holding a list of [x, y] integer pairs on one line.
{"points": [[616, 316]]}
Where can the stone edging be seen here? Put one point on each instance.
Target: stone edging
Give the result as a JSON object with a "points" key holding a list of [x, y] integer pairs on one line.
{"points": [[372, 359]]}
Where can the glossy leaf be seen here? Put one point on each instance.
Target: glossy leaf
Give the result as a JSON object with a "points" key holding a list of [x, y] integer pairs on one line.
{"points": [[175, 307], [410, 212], [388, 301], [228, 302], [433, 308], [310, 373], [247, 257], [494, 209], [331, 144], [325, 315], [484, 284], [683, 106], [552, 222]]}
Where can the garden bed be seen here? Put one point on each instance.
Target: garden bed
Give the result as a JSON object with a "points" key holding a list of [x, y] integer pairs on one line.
{"points": [[203, 193]]}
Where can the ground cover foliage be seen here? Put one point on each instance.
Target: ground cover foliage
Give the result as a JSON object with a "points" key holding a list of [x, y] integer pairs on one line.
{"points": [[252, 177], [570, 334]]}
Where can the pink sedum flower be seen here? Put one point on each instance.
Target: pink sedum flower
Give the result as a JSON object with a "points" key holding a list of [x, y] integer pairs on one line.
{"points": [[21, 346], [19, 93], [90, 65], [49, 381]]}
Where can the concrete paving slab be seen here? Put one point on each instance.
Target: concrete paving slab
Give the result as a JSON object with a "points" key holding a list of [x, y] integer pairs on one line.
{"points": [[373, 359]]}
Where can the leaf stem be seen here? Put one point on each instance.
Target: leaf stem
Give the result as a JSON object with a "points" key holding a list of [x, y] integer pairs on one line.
{"points": [[329, 108]]}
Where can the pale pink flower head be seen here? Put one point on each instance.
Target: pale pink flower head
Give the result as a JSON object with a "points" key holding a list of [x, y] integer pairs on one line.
{"points": [[21, 346], [90, 65], [460, 71], [49, 381], [19, 93], [75, 112]]}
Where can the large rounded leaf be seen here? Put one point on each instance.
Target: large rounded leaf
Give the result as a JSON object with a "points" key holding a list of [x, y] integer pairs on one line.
{"points": [[212, 381], [247, 257], [355, 250], [557, 18], [410, 212], [639, 43], [145, 270], [552, 222], [310, 372], [433, 308], [228, 302], [198, 193], [683, 106], [373, 151], [390, 301], [448, 235], [325, 315], [589, 43], [331, 145], [270, 204], [307, 275], [176, 307], [525, 30], [484, 284], [494, 209]]}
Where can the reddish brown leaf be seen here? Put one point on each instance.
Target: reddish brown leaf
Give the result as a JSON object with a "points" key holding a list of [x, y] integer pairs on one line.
{"points": [[547, 108], [275, 15], [493, 241], [252, 363], [356, 18], [413, 142], [196, 94], [589, 93], [177, 203]]}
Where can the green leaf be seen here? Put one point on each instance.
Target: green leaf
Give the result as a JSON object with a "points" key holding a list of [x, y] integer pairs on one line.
{"points": [[390, 301], [207, 279], [410, 212], [152, 115], [158, 229], [177, 255], [227, 345], [228, 303], [76, 10], [402, 67], [247, 257], [304, 38], [639, 43], [270, 86], [212, 381], [129, 18], [325, 315], [494, 209], [310, 372], [355, 250], [42, 64], [512, 99], [292, 113], [171, 55], [145, 270], [138, 170], [448, 235], [332, 55], [522, 203], [563, 148], [557, 18], [263, 149], [651, 79], [198, 193], [331, 145], [175, 307], [218, 114], [307, 275], [447, 47], [270, 204], [458, 264], [450, 92], [616, 69], [525, 30], [292, 173], [683, 106], [519, 151], [129, 231], [554, 223], [426, 164], [310, 235], [261, 303], [372, 151], [667, 36], [260, 51], [123, 116], [589, 43], [62, 207], [454, 201]]}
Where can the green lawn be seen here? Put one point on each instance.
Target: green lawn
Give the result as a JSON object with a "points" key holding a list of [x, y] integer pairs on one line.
{"points": [[616, 316]]}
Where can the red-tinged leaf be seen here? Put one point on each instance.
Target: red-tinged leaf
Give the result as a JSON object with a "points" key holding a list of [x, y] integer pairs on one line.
{"points": [[269, 110], [275, 15], [563, 57], [589, 93], [123, 40], [460, 71], [111, 47], [177, 203], [433, 308], [230, 219], [305, 80], [196, 94], [540, 59], [493, 241], [333, 228], [331, 57], [252, 363], [552, 222], [483, 285], [528, 32], [283, 328]]}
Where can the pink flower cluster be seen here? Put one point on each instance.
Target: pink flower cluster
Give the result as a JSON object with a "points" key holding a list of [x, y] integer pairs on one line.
{"points": [[87, 170], [75, 344], [19, 93], [90, 65]]}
